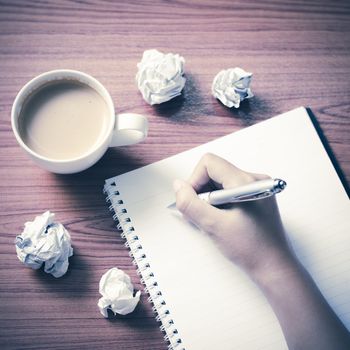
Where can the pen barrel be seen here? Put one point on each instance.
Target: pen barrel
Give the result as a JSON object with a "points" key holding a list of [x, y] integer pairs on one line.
{"points": [[264, 187]]}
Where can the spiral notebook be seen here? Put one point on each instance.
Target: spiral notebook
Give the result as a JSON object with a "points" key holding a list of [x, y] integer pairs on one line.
{"points": [[202, 300]]}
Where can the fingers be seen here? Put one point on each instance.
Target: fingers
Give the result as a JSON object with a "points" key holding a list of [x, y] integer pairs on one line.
{"points": [[219, 170], [196, 210], [210, 168]]}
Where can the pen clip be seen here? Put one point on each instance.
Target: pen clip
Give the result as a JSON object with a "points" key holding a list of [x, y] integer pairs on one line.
{"points": [[253, 197]]}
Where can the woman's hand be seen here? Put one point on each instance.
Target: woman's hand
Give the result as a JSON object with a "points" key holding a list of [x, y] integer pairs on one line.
{"points": [[250, 233]]}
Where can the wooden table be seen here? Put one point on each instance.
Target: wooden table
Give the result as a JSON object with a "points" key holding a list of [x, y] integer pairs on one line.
{"points": [[299, 53]]}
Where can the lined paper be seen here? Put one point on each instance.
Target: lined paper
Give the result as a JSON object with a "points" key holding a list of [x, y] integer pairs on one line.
{"points": [[214, 304]]}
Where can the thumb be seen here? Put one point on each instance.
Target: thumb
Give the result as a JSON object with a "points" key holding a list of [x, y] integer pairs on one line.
{"points": [[195, 209]]}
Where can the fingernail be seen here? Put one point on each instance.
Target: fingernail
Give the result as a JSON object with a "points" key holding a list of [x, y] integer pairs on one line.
{"points": [[177, 185]]}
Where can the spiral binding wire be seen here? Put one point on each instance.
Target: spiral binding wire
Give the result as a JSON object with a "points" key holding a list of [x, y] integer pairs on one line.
{"points": [[148, 279]]}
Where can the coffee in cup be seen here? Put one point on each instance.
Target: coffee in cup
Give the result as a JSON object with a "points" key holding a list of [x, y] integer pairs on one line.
{"points": [[65, 120]]}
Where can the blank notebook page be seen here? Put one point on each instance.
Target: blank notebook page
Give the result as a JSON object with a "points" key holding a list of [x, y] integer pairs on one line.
{"points": [[213, 304]]}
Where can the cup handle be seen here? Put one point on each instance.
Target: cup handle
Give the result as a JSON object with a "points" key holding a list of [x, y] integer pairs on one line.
{"points": [[129, 128]]}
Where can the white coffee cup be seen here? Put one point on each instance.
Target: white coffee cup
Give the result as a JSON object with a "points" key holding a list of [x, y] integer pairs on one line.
{"points": [[122, 129]]}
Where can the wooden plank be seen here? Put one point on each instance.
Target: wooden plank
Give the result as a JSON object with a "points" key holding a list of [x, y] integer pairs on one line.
{"points": [[299, 53]]}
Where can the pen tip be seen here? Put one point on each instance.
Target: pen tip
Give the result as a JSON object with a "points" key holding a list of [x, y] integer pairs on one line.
{"points": [[172, 206]]}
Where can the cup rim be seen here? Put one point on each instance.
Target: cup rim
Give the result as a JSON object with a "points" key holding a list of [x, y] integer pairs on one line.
{"points": [[54, 74]]}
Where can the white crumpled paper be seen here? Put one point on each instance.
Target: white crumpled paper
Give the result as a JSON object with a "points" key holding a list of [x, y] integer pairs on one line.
{"points": [[231, 86], [44, 241], [160, 76], [117, 293]]}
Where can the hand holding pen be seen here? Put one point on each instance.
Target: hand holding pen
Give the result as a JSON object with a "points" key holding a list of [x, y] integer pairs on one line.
{"points": [[252, 236], [242, 232]]}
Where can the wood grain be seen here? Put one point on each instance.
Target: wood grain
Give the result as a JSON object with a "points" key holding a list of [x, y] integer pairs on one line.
{"points": [[299, 52]]}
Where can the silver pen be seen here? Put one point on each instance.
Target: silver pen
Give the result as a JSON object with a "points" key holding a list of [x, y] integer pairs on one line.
{"points": [[250, 192]]}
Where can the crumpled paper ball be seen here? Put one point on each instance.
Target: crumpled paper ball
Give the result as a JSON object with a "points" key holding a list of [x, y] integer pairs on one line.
{"points": [[44, 241], [231, 86], [117, 293], [160, 76]]}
